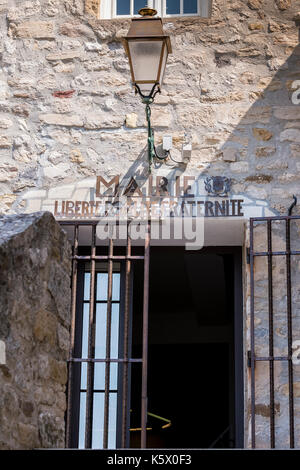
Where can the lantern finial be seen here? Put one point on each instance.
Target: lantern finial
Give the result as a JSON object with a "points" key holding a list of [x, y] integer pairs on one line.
{"points": [[147, 11]]}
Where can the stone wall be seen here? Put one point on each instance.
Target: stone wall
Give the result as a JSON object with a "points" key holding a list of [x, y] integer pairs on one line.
{"points": [[68, 112], [34, 331]]}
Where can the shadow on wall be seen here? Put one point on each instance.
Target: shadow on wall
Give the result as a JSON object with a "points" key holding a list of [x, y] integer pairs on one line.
{"points": [[253, 131], [263, 148]]}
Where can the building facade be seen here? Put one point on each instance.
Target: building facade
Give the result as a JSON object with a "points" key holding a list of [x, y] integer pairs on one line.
{"points": [[212, 316]]}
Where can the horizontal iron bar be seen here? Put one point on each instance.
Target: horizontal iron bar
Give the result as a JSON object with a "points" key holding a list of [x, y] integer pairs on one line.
{"points": [[88, 258], [78, 222], [274, 253], [102, 301], [77, 359], [273, 358], [83, 390], [279, 217]]}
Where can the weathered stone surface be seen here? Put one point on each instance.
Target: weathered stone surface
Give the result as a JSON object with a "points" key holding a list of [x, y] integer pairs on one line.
{"points": [[260, 114], [92, 7], [262, 134], [75, 30], [265, 151], [24, 10], [76, 156], [254, 4], [103, 120], [229, 154], [35, 333], [51, 430], [239, 167], [283, 4], [5, 123], [292, 135], [61, 120], [131, 120], [34, 29], [287, 112], [66, 55], [255, 26], [5, 142]]}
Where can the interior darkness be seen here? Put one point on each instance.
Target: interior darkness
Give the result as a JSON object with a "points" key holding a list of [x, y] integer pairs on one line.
{"points": [[191, 358]]}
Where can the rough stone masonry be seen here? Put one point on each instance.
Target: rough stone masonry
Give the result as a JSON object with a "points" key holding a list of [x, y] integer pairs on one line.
{"points": [[67, 112], [34, 331]]}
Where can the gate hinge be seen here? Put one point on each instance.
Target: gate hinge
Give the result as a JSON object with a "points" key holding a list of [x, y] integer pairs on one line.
{"points": [[249, 358], [248, 254]]}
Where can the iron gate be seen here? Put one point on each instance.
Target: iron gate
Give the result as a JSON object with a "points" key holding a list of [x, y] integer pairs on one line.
{"points": [[277, 230], [110, 257]]}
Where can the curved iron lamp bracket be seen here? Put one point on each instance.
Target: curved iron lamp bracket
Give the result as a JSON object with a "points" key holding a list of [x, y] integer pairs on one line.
{"points": [[148, 100], [292, 205]]}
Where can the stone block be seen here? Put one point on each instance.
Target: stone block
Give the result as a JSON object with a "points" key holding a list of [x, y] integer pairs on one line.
{"points": [[24, 10], [92, 7], [161, 118], [229, 154], [239, 167], [261, 114], [287, 112], [62, 120], [76, 156], [65, 55], [51, 430], [5, 142], [254, 4], [28, 436], [262, 134], [283, 4], [5, 123], [34, 30], [104, 120], [75, 30], [131, 120], [291, 135], [265, 151]]}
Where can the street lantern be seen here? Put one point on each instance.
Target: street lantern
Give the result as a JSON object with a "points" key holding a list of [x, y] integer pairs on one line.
{"points": [[147, 48]]}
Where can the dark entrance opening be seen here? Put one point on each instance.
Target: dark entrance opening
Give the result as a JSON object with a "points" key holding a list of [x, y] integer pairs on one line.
{"points": [[195, 384]]}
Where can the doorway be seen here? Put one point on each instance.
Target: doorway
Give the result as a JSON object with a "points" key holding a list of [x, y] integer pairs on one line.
{"points": [[195, 360]]}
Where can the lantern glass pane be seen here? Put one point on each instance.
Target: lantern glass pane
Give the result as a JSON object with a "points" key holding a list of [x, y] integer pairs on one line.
{"points": [[145, 59], [163, 65]]}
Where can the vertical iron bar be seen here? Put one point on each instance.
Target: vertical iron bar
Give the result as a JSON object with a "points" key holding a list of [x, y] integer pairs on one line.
{"points": [[72, 345], [91, 347], [271, 333], [108, 344], [144, 403], [290, 334], [126, 337], [252, 337]]}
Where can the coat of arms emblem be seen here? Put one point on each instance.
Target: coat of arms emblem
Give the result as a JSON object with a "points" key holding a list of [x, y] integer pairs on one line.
{"points": [[217, 185]]}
